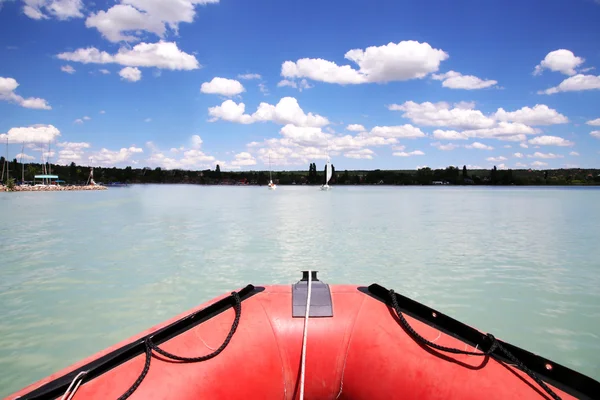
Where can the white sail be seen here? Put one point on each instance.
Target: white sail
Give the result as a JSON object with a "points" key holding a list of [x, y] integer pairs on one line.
{"points": [[329, 172]]}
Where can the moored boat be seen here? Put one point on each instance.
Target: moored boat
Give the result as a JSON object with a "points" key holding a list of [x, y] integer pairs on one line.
{"points": [[314, 341]]}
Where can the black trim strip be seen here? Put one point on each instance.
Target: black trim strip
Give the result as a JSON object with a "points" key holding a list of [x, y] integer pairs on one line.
{"points": [[57, 387], [564, 378]]}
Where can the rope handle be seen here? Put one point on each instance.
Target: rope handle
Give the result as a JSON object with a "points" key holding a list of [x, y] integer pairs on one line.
{"points": [[151, 346], [489, 352]]}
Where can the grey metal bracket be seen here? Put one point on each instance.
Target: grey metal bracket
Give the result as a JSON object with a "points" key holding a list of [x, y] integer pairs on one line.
{"points": [[320, 297]]}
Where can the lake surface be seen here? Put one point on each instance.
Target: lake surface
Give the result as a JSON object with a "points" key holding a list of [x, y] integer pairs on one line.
{"points": [[80, 271]]}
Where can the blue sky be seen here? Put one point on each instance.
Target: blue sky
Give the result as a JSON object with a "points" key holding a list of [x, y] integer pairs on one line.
{"points": [[374, 84]]}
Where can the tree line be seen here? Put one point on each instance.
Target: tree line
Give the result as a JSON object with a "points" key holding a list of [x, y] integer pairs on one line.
{"points": [[78, 174]]}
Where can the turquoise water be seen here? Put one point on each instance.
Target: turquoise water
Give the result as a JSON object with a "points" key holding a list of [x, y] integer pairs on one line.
{"points": [[80, 271]]}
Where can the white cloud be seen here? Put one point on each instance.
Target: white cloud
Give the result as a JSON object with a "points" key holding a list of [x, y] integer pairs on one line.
{"points": [[102, 112], [32, 134], [303, 84], [443, 115], [60, 9], [23, 156], [538, 164], [456, 80], [449, 135], [573, 153], [540, 114], [496, 159], [595, 134], [355, 128], [507, 146], [392, 62], [7, 93], [127, 21], [518, 155], [519, 164], [68, 69], [537, 154], [263, 89], [104, 71], [364, 154], [550, 141], [406, 131], [474, 124], [222, 86], [287, 111], [574, 84], [71, 152], [479, 146], [243, 159], [563, 61], [445, 147], [196, 141], [594, 122], [163, 55], [249, 76], [78, 121], [524, 145], [130, 74], [107, 157], [409, 154]]}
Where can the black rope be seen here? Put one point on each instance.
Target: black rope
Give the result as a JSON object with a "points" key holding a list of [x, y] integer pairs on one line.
{"points": [[151, 346], [495, 345], [236, 321]]}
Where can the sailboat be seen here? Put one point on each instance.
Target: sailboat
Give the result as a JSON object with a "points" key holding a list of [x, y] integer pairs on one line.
{"points": [[272, 186], [328, 173]]}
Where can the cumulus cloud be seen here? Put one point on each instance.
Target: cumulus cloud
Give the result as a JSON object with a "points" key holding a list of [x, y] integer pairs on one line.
{"points": [[196, 141], [363, 154], [287, 111], [222, 86], [23, 156], [71, 152], [563, 61], [595, 134], [163, 55], [130, 74], [575, 83], [502, 125], [594, 122], [301, 85], [249, 76], [355, 128], [550, 141], [107, 157], [243, 159], [104, 71], [518, 155], [31, 134], [496, 159], [524, 145], [537, 154], [456, 80], [68, 69], [406, 131], [479, 146], [408, 154], [129, 20], [445, 147], [573, 153], [59, 9], [392, 62], [519, 164], [540, 114], [449, 135], [7, 93], [539, 164]]}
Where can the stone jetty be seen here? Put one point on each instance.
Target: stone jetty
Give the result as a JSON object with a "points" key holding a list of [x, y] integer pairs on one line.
{"points": [[51, 188]]}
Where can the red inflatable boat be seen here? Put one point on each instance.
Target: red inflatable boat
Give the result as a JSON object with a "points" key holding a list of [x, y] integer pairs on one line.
{"points": [[357, 343]]}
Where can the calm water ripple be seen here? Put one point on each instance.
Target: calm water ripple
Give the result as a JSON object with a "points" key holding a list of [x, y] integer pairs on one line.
{"points": [[83, 270]]}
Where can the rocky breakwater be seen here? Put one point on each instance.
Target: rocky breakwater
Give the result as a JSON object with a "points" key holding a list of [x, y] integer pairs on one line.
{"points": [[51, 188]]}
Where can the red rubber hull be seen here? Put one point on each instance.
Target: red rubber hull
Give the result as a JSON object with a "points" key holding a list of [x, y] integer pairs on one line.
{"points": [[360, 353]]}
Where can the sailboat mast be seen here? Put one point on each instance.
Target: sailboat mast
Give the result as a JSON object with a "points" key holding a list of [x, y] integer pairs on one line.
{"points": [[270, 177], [22, 165], [7, 164]]}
